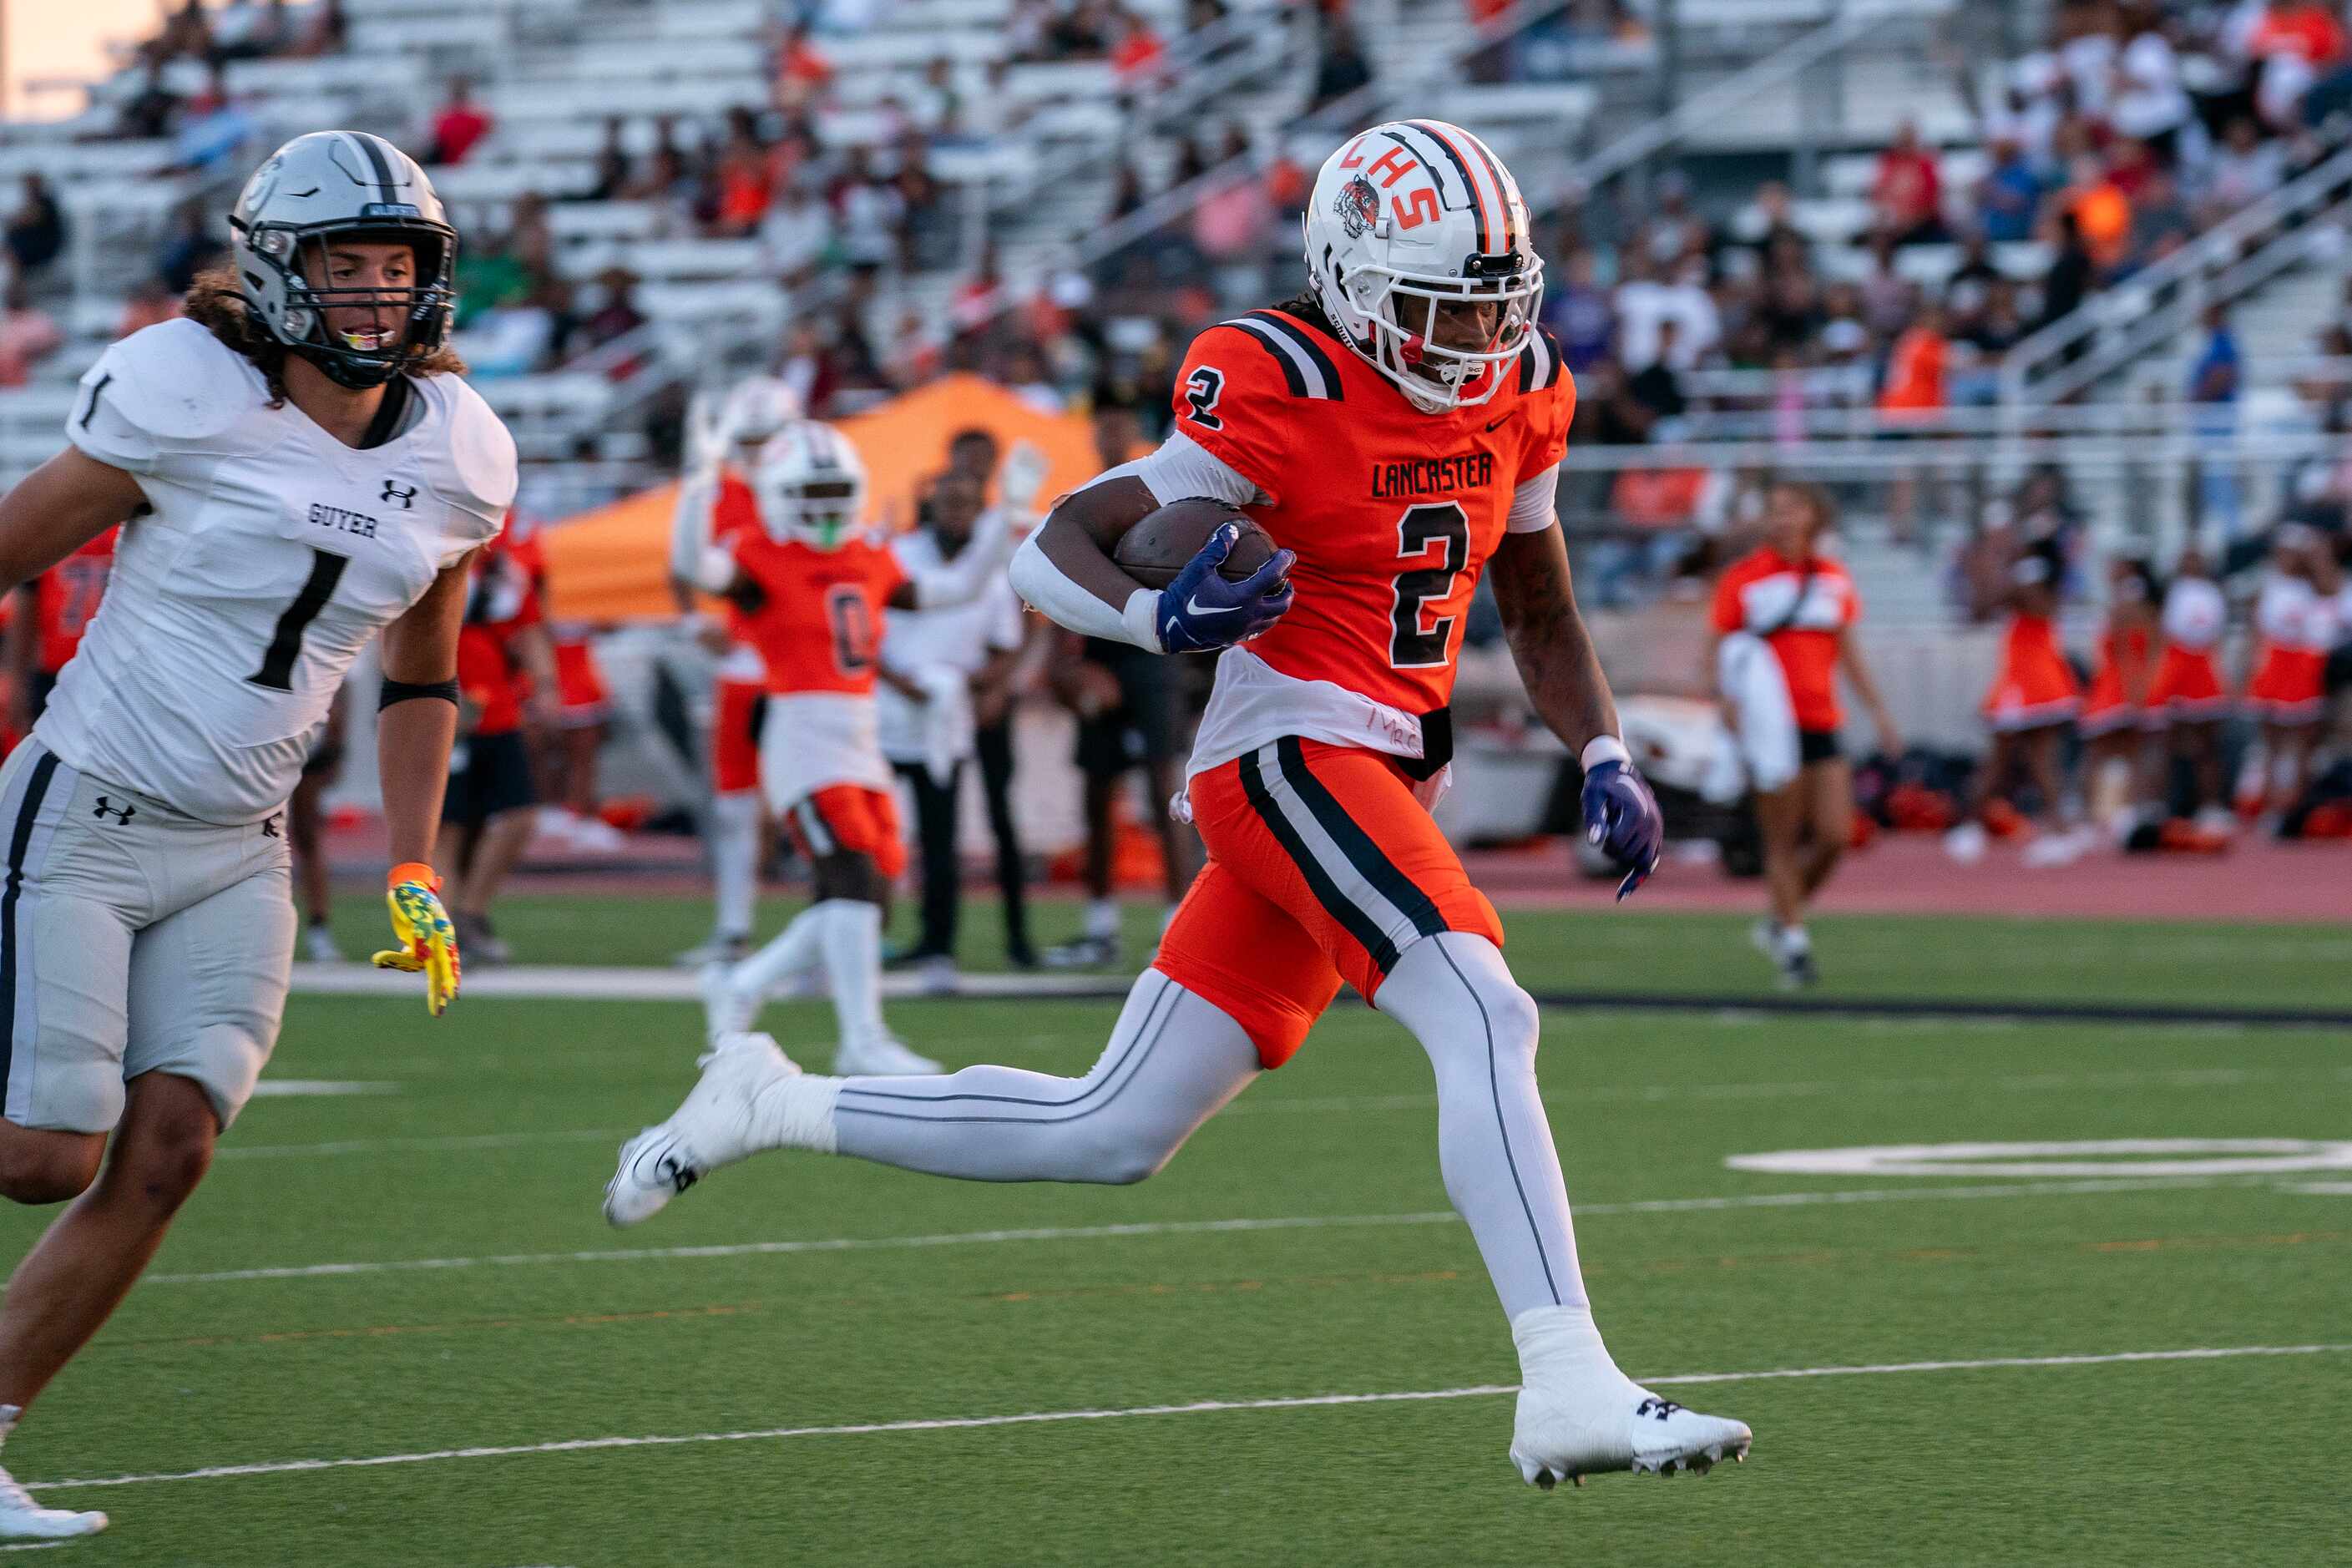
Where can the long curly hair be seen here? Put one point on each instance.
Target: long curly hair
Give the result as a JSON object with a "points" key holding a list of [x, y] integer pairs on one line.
{"points": [[215, 300]]}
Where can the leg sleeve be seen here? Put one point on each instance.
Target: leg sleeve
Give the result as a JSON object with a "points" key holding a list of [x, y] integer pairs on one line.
{"points": [[1174, 1061], [1494, 1145]]}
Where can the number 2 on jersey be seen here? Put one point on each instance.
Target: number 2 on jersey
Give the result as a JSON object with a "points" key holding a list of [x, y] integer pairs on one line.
{"points": [[1444, 523], [277, 671]]}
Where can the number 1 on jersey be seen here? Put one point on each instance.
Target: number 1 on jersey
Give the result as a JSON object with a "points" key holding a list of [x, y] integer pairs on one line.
{"points": [[1420, 526], [277, 671]]}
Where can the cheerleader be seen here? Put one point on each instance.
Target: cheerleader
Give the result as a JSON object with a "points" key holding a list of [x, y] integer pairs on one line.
{"points": [[2033, 700], [2294, 627], [2115, 710], [2187, 702]]}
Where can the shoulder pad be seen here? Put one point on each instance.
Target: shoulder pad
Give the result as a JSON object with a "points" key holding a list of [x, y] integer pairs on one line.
{"points": [[1540, 366], [177, 382], [1299, 357], [474, 468]]}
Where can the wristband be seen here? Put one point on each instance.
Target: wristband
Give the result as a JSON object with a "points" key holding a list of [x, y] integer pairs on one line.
{"points": [[1605, 749], [412, 871]]}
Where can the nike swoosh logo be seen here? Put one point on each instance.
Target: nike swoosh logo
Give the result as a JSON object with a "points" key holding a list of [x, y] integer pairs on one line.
{"points": [[1198, 608], [1505, 419]]}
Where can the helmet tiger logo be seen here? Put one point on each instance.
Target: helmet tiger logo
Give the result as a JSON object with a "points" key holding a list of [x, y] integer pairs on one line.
{"points": [[1358, 206]]}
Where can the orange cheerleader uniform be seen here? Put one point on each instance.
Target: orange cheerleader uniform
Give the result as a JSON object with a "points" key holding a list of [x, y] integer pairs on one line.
{"points": [[2123, 661], [2296, 627], [2035, 685]]}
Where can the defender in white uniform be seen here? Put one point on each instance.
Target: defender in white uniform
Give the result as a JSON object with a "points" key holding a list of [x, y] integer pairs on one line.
{"points": [[295, 471]]}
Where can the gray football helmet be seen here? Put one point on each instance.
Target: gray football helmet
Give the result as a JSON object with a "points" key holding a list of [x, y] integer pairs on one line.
{"points": [[350, 183]]}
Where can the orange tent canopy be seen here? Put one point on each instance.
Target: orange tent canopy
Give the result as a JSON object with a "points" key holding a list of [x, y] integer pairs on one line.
{"points": [[612, 564]]}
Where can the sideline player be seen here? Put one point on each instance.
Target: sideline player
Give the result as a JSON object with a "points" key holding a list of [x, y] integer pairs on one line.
{"points": [[53, 612], [715, 506], [817, 588], [296, 466], [1394, 428]]}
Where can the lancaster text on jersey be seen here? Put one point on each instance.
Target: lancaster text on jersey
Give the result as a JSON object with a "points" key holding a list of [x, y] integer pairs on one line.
{"points": [[1432, 476]]}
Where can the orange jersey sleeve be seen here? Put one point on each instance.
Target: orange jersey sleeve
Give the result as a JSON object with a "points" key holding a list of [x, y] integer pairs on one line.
{"points": [[822, 614], [1237, 393], [1548, 395]]}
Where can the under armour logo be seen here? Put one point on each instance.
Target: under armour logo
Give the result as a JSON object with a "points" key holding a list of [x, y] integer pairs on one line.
{"points": [[404, 496], [270, 825], [105, 807]]}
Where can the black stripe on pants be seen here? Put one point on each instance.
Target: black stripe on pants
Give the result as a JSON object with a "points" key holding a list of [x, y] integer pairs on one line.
{"points": [[19, 838]]}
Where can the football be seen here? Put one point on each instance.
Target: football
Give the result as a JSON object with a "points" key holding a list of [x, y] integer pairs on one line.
{"points": [[1156, 549]]}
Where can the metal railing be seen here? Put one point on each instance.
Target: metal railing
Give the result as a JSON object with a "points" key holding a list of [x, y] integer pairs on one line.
{"points": [[2116, 326], [1865, 422]]}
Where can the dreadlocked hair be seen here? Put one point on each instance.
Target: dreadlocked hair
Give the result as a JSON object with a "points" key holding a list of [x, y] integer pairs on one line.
{"points": [[216, 302], [1308, 306]]}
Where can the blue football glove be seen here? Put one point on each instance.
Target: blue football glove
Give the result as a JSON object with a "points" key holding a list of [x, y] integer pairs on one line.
{"points": [[1621, 816], [1200, 610]]}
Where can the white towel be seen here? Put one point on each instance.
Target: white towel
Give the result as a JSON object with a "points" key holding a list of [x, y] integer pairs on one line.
{"points": [[947, 719], [1750, 677]]}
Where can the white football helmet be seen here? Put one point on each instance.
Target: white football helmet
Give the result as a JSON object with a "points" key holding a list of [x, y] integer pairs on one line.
{"points": [[350, 183], [1417, 247], [811, 485]]}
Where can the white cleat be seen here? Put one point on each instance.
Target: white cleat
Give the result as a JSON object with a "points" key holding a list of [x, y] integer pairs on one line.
{"points": [[1563, 1436], [1966, 842], [318, 945], [727, 1008], [883, 1058], [710, 1128], [22, 1519]]}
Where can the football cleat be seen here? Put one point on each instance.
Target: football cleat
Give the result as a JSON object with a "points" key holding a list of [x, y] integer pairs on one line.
{"points": [[712, 1127], [883, 1058], [318, 945], [22, 1519], [1565, 1434], [720, 947]]}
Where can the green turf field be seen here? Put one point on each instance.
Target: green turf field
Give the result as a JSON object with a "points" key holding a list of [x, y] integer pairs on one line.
{"points": [[485, 1305]]}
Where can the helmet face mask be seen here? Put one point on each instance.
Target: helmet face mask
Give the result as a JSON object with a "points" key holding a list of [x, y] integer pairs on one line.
{"points": [[1417, 247], [346, 189]]}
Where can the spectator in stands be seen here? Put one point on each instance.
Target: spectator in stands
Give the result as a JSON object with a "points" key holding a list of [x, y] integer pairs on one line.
{"points": [[796, 231], [2071, 273], [1577, 310], [194, 244], [27, 334], [2244, 170], [149, 115], [2009, 196], [933, 227], [1082, 31], [803, 73], [1907, 191], [1657, 386], [329, 32], [1138, 58], [740, 189], [249, 30], [612, 164], [1342, 66], [214, 130], [188, 33], [458, 124], [37, 229], [2161, 222], [616, 315], [2214, 380], [1915, 392], [2147, 102], [808, 368], [869, 210]]}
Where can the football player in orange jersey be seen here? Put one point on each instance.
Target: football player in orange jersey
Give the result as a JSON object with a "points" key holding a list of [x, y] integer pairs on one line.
{"points": [[815, 586], [1395, 429], [715, 505]]}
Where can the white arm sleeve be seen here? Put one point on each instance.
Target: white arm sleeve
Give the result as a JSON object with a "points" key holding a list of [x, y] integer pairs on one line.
{"points": [[690, 527], [1534, 504], [1180, 468]]}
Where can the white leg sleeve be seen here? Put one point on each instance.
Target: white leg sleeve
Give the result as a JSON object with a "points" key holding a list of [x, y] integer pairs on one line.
{"points": [[852, 939], [734, 859], [792, 951], [1174, 1061], [1456, 994]]}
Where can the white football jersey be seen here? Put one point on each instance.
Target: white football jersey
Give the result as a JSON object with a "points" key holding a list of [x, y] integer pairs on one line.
{"points": [[272, 554]]}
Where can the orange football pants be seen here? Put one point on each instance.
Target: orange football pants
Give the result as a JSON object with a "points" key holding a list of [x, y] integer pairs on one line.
{"points": [[1322, 866]]}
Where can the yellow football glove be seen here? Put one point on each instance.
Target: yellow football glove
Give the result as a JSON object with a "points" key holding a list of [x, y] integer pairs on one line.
{"points": [[428, 943]]}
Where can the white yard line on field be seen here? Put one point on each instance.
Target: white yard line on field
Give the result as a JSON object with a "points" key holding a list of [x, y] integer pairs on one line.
{"points": [[1197, 1407], [1171, 1227]]}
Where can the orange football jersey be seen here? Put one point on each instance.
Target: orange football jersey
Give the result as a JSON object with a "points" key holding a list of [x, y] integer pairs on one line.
{"points": [[1393, 511], [821, 623], [67, 595]]}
